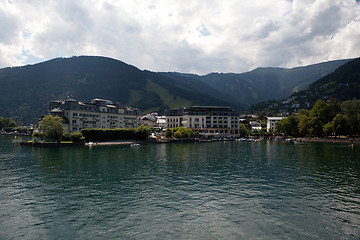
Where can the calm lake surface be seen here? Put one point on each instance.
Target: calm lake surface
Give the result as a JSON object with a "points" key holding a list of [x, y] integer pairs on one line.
{"points": [[219, 190]]}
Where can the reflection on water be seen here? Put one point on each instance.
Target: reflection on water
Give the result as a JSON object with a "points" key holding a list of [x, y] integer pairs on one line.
{"points": [[230, 190]]}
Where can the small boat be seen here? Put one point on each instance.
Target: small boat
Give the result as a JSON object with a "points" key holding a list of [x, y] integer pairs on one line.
{"points": [[241, 139], [135, 145]]}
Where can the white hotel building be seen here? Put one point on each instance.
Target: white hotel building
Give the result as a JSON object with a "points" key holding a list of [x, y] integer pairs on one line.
{"points": [[209, 121], [99, 113], [271, 123]]}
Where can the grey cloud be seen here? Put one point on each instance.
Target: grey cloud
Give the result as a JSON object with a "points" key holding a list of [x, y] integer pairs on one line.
{"points": [[262, 28], [200, 36], [326, 21], [10, 26]]}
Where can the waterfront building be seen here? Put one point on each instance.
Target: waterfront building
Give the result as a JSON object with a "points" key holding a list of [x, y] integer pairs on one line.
{"points": [[208, 121], [271, 123], [255, 126], [174, 117], [161, 122], [153, 120], [149, 120], [99, 113]]}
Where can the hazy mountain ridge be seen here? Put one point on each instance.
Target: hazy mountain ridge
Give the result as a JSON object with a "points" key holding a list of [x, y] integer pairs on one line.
{"points": [[26, 91], [266, 83]]}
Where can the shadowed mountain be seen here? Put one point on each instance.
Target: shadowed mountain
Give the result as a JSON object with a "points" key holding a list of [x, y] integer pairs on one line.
{"points": [[26, 91], [343, 84], [264, 84]]}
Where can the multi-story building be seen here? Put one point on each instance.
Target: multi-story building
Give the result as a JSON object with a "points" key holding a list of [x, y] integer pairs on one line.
{"points": [[209, 121], [271, 123], [99, 113], [153, 120], [255, 126]]}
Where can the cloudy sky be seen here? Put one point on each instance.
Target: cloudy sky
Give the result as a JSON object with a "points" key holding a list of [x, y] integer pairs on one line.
{"points": [[197, 36]]}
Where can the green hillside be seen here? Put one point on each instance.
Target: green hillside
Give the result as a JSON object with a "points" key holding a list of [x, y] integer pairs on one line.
{"points": [[27, 91], [263, 84], [343, 84]]}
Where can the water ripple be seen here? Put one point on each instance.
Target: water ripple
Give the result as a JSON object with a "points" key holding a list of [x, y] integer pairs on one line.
{"points": [[219, 190]]}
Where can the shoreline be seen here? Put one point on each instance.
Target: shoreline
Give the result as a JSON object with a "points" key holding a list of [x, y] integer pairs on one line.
{"points": [[131, 142], [329, 140]]}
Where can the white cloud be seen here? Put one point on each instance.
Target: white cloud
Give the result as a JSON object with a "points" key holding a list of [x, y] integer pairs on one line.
{"points": [[187, 36]]}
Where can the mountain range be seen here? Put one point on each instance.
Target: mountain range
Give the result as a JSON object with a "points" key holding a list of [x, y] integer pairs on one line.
{"points": [[27, 91], [262, 84], [342, 84]]}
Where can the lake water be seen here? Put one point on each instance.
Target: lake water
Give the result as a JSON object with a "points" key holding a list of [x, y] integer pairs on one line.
{"points": [[219, 190]]}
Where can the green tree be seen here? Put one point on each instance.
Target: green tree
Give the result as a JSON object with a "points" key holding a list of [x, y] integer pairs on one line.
{"points": [[52, 127], [174, 130], [184, 134], [7, 123], [318, 117], [76, 136], [304, 112], [288, 126], [255, 132], [279, 127], [177, 134], [168, 133], [303, 125], [340, 125], [143, 132], [334, 107], [190, 133], [328, 129], [37, 135], [244, 131], [351, 111], [181, 132]]}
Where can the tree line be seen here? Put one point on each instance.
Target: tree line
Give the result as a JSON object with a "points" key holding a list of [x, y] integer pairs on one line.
{"points": [[334, 118], [7, 124]]}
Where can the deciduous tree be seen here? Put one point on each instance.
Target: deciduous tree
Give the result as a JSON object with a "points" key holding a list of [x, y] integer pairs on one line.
{"points": [[7, 123], [244, 131], [318, 117], [52, 127], [351, 110], [339, 125], [288, 126], [328, 129]]}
